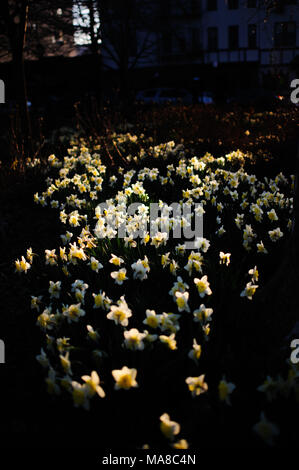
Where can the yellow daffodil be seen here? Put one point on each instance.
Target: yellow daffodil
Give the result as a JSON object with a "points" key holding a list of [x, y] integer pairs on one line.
{"points": [[225, 389], [22, 266], [134, 339], [195, 352], [182, 301], [125, 378], [116, 260], [203, 286], [169, 428], [120, 313], [249, 290], [197, 385], [119, 276], [169, 340], [151, 319], [266, 430], [93, 384]]}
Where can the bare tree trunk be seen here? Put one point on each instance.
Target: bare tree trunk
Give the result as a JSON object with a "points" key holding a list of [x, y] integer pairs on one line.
{"points": [[16, 14], [22, 99]]}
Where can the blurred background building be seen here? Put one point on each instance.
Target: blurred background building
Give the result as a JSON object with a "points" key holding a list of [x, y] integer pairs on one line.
{"points": [[121, 46], [233, 42]]}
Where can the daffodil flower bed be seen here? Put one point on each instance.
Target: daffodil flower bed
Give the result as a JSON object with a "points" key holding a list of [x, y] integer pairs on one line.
{"points": [[137, 314]]}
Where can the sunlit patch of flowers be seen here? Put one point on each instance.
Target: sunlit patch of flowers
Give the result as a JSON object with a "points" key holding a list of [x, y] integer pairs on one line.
{"points": [[130, 296]]}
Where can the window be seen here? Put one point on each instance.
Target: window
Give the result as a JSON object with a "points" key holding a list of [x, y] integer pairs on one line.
{"points": [[285, 34], [233, 4], [212, 5], [165, 8], [195, 40], [252, 36], [233, 37], [279, 7], [251, 3], [195, 7], [212, 39], [132, 43], [131, 5], [179, 42], [186, 7], [166, 43]]}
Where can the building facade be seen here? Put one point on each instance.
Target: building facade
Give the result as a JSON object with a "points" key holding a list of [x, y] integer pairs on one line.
{"points": [[214, 35]]}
